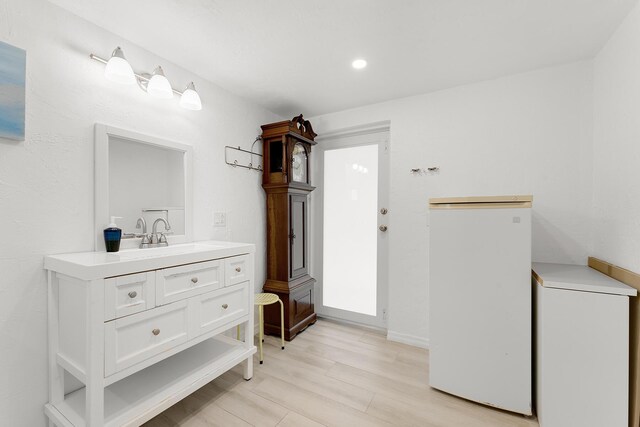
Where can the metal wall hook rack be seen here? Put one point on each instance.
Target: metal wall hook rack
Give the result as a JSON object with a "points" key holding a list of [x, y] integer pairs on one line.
{"points": [[240, 164], [420, 171]]}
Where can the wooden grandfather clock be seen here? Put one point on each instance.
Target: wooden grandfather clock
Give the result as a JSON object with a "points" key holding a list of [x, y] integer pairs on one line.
{"points": [[286, 150]]}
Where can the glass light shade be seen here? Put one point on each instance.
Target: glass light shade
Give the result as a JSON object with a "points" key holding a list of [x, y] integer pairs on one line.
{"points": [[118, 69], [159, 86], [190, 98]]}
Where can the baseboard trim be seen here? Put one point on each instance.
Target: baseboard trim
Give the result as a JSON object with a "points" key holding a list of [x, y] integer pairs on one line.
{"points": [[408, 339], [338, 320]]}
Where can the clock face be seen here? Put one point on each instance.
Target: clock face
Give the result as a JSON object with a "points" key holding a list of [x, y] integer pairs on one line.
{"points": [[299, 163]]}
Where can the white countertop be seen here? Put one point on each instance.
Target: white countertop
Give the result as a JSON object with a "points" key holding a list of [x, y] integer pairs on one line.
{"points": [[579, 278], [98, 265]]}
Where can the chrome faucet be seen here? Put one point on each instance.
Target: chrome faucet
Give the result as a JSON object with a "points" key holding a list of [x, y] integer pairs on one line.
{"points": [[154, 239], [162, 239], [142, 223]]}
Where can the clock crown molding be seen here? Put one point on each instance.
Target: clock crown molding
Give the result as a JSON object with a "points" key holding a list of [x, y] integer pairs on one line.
{"points": [[297, 127]]}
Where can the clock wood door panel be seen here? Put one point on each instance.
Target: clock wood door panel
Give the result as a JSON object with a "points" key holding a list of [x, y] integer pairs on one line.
{"points": [[298, 236], [277, 236], [302, 304], [299, 310]]}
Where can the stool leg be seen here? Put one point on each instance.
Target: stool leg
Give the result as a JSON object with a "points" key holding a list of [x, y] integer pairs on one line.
{"points": [[238, 333], [281, 322], [260, 331], [262, 324]]}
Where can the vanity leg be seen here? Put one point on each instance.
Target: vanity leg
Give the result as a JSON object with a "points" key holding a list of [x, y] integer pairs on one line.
{"points": [[248, 342], [249, 336], [247, 373], [95, 404], [56, 373], [95, 355]]}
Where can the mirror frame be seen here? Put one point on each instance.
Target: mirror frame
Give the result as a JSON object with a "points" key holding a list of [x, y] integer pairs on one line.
{"points": [[103, 133]]}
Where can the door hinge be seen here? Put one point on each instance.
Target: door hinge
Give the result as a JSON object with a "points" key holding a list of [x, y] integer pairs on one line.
{"points": [[384, 314]]}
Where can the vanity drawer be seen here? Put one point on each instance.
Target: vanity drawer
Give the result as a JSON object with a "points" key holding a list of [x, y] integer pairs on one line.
{"points": [[125, 295], [238, 270], [217, 308], [135, 338], [177, 283]]}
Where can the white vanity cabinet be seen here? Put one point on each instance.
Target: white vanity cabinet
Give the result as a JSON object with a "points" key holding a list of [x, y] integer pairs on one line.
{"points": [[582, 347], [143, 328]]}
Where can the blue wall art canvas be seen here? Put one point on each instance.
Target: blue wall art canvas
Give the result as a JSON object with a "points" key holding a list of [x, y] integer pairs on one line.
{"points": [[13, 62]]}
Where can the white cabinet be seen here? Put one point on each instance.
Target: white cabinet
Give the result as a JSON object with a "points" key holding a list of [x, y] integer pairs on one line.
{"points": [[129, 294], [238, 270], [133, 339], [220, 307], [142, 329], [188, 280], [582, 347]]}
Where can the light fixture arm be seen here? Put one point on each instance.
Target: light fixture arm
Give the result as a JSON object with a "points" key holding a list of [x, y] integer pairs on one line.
{"points": [[143, 79]]}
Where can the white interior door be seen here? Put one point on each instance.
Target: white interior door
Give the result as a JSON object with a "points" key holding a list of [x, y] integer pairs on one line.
{"points": [[351, 227]]}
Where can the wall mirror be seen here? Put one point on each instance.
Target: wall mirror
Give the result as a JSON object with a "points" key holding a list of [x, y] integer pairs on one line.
{"points": [[141, 178]]}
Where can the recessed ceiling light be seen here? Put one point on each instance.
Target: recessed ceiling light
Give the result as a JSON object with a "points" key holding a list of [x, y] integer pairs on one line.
{"points": [[359, 64]]}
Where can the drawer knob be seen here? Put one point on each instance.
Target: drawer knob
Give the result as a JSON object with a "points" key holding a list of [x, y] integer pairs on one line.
{"points": [[132, 294], [225, 306], [194, 279], [156, 331], [238, 269]]}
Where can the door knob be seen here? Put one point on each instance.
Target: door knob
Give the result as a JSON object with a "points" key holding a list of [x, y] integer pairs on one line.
{"points": [[383, 228]]}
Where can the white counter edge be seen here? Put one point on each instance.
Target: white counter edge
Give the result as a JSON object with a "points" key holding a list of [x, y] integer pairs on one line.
{"points": [[619, 288], [69, 265]]}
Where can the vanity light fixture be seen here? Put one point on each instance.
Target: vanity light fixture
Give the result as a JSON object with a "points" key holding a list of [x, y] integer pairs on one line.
{"points": [[158, 85], [190, 98], [119, 70]]}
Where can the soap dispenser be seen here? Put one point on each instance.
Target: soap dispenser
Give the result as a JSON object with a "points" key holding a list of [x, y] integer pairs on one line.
{"points": [[112, 236]]}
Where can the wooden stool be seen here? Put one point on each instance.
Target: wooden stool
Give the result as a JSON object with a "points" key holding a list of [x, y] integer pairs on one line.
{"points": [[262, 300]]}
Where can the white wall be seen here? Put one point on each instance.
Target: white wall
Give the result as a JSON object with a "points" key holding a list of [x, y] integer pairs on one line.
{"points": [[524, 134], [46, 182], [617, 147]]}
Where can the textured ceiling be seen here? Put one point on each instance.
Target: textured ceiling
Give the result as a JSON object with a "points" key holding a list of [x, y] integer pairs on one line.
{"points": [[294, 56]]}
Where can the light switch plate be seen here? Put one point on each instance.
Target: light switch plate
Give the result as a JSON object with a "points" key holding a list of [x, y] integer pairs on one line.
{"points": [[219, 219]]}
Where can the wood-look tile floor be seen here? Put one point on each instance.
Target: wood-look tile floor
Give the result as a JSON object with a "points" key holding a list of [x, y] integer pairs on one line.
{"points": [[332, 375]]}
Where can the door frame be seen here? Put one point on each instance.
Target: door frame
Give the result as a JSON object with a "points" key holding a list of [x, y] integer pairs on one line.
{"points": [[374, 133]]}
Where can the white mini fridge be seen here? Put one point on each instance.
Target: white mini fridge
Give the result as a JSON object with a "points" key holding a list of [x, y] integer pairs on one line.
{"points": [[480, 298]]}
